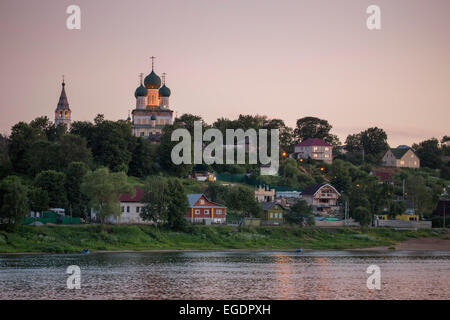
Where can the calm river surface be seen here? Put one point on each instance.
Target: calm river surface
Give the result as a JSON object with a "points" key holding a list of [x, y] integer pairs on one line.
{"points": [[227, 275]]}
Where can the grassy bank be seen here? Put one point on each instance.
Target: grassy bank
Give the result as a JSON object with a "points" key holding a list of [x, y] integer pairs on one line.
{"points": [[60, 239]]}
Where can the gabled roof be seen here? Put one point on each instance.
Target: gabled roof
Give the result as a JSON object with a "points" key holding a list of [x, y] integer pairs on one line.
{"points": [[128, 198], [269, 205], [194, 197], [313, 189], [313, 142], [400, 152]]}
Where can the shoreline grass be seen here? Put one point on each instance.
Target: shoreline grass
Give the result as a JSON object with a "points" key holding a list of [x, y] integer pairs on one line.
{"points": [[72, 239]]}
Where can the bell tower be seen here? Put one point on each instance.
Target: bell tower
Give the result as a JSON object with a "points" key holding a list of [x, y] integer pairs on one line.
{"points": [[63, 114]]}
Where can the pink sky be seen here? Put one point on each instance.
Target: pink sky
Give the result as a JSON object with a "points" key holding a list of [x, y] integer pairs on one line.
{"points": [[283, 59]]}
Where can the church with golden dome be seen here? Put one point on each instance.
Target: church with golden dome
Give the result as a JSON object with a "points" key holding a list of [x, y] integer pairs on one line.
{"points": [[152, 110]]}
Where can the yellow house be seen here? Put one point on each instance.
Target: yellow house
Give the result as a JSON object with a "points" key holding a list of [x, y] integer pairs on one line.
{"points": [[403, 217], [401, 157]]}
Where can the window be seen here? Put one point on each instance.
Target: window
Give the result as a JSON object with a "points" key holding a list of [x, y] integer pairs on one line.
{"points": [[315, 155], [315, 148], [327, 149], [197, 211], [402, 162], [153, 99], [271, 215], [219, 211], [206, 212], [202, 201], [123, 209], [128, 208], [142, 134], [138, 209]]}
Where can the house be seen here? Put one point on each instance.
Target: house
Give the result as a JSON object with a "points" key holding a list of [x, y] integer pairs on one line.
{"points": [[203, 176], [264, 194], [322, 197], [314, 148], [401, 157], [130, 208], [203, 210], [273, 212]]}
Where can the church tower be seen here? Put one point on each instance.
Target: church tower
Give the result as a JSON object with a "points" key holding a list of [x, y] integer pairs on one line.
{"points": [[63, 112], [152, 112]]}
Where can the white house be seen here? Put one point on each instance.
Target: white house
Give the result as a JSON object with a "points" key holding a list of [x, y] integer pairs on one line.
{"points": [[314, 148]]}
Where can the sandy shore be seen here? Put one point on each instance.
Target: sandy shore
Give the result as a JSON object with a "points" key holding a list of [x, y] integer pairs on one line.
{"points": [[421, 244]]}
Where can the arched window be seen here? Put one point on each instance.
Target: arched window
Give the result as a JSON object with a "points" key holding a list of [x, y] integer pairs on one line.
{"points": [[153, 99], [66, 114]]}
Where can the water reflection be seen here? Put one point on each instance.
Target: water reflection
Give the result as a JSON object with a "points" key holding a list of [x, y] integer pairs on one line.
{"points": [[227, 275]]}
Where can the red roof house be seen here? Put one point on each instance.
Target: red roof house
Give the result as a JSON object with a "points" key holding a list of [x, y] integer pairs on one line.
{"points": [[201, 209]]}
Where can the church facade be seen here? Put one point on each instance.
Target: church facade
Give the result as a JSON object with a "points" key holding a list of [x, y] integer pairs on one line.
{"points": [[152, 110]]}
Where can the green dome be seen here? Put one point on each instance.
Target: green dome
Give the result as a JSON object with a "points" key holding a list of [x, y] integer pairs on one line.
{"points": [[164, 91], [152, 81], [141, 91]]}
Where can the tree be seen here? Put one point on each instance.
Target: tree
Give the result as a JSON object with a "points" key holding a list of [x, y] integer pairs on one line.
{"points": [[165, 151], [77, 201], [372, 141], [445, 171], [362, 215], [22, 137], [311, 127], [301, 212], [13, 200], [241, 199], [53, 183], [103, 189], [143, 161], [339, 176], [397, 208], [187, 121], [419, 194], [156, 200], [177, 206], [73, 148], [429, 153], [38, 199]]}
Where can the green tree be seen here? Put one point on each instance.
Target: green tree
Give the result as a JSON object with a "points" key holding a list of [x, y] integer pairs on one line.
{"points": [[103, 189], [178, 205], [53, 183], [362, 215], [300, 213], [397, 208], [156, 200], [77, 201], [13, 200], [38, 199], [165, 151], [429, 153], [312, 127], [373, 141], [143, 161], [21, 139], [420, 195]]}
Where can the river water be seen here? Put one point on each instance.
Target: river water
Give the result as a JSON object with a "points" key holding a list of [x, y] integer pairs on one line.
{"points": [[227, 275]]}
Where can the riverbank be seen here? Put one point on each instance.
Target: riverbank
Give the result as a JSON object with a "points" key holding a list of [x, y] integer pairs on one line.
{"points": [[72, 239]]}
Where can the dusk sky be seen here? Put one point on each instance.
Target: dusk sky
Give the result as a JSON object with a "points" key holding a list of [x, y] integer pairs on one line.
{"points": [[284, 59]]}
